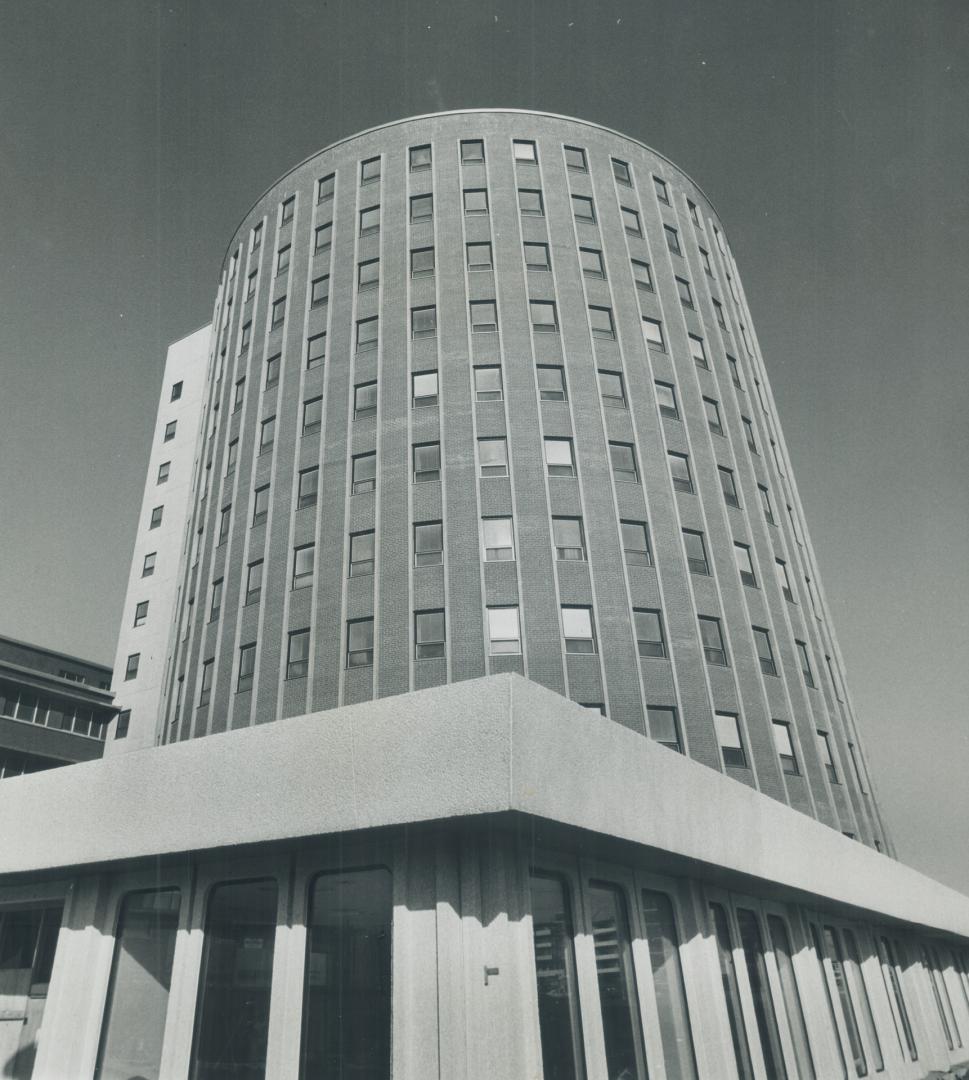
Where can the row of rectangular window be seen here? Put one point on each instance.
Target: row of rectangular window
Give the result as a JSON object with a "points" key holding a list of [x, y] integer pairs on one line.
{"points": [[29, 706]]}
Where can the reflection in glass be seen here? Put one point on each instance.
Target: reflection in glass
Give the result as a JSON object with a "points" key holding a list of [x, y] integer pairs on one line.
{"points": [[819, 954], [770, 1040], [891, 976], [847, 1005], [728, 975], [853, 967], [792, 998]]}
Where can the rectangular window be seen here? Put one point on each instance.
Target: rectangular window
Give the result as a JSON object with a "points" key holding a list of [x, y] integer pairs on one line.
{"points": [[781, 943], [364, 400], [170, 430], [631, 222], [364, 473], [367, 334], [728, 486], [205, 689], [765, 652], [543, 316], [592, 264], [320, 291], [312, 415], [698, 352], [475, 200], [315, 350], [622, 173], [569, 539], [537, 257], [487, 383], [551, 383], [141, 973], [680, 472], [635, 543], [240, 394], [141, 612], [419, 157], [272, 371], [672, 239], [649, 633], [260, 505], [359, 643], [479, 256], [530, 202], [164, 471], [623, 458], [686, 294], [765, 505], [666, 400], [753, 952], [664, 729], [575, 159], [499, 539], [251, 282], [176, 391], [601, 322], [423, 321], [323, 238], [156, 517], [240, 934], [254, 582], [429, 635], [326, 188], [427, 462], [361, 554], [662, 191], [524, 152], [278, 313], [805, 661], [215, 606], [728, 735], [224, 520], [231, 457], [308, 488], [148, 566], [734, 371], [257, 236], [298, 654], [267, 434], [642, 276], [714, 649], [421, 261], [247, 667], [484, 317], [577, 630], [731, 993], [712, 410], [472, 151], [288, 210], [368, 275], [718, 311], [611, 389], [785, 747], [428, 543], [282, 260], [653, 329], [493, 457], [421, 208], [745, 565], [558, 457], [749, 434], [584, 209], [784, 581], [424, 389], [369, 220], [304, 559]]}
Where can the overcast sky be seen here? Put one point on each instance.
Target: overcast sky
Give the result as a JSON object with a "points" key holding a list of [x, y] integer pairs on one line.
{"points": [[833, 137]]}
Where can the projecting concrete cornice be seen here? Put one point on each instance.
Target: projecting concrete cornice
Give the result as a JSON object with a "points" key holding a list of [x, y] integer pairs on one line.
{"points": [[496, 745]]}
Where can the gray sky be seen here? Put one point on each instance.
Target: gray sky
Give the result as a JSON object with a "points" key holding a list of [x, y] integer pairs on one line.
{"points": [[833, 137]]}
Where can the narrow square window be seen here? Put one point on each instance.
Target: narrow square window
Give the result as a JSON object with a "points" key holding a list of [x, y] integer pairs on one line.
{"points": [[131, 667], [121, 728], [558, 457], [694, 213], [631, 222], [423, 321], [364, 473], [257, 236], [225, 518], [487, 383], [272, 371], [731, 744], [620, 170], [504, 633], [312, 415], [672, 239], [662, 191], [288, 210], [714, 650], [370, 170], [551, 382], [686, 293], [642, 275], [315, 350], [805, 660], [728, 486], [267, 434], [205, 689], [475, 201], [525, 152], [765, 653], [247, 667], [493, 457], [156, 517], [718, 311], [543, 316], [260, 505], [696, 552], [278, 313], [304, 558], [421, 208], [364, 400], [298, 654], [666, 400], [170, 430], [361, 554], [537, 257], [649, 633], [419, 157], [141, 611], [765, 505], [734, 371], [427, 462], [601, 321], [712, 410], [680, 471], [176, 391], [575, 159], [635, 543], [653, 329], [368, 275], [231, 457], [499, 540], [164, 471], [367, 334], [705, 259], [240, 394], [308, 488], [611, 389], [359, 643], [421, 261], [784, 581], [698, 352], [424, 389], [251, 285], [568, 537], [592, 264], [577, 630], [749, 434], [484, 317], [623, 457], [785, 747], [148, 566], [827, 758], [584, 209], [429, 635], [282, 260], [530, 202], [472, 151], [663, 727], [745, 565], [369, 220], [320, 291], [479, 256], [323, 238], [428, 543]]}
